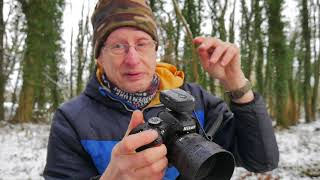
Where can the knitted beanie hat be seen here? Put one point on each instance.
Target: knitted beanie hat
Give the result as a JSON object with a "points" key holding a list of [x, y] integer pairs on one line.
{"points": [[112, 14]]}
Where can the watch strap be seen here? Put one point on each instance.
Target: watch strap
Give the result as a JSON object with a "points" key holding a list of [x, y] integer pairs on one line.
{"points": [[238, 93]]}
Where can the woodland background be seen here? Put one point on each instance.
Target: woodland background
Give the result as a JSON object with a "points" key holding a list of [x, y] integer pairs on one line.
{"points": [[46, 60], [281, 59]]}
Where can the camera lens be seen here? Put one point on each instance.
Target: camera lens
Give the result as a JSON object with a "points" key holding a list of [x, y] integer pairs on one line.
{"points": [[198, 159]]}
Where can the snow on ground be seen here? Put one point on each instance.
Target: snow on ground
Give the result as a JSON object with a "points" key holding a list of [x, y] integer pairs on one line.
{"points": [[299, 149], [23, 153]]}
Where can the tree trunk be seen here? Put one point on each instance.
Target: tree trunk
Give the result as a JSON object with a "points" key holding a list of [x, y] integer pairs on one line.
{"points": [[71, 67], [222, 27], [40, 61], [317, 66], [168, 40], [177, 43], [293, 104], [187, 17], [2, 79], [231, 27], [258, 39], [306, 35], [81, 51], [26, 101], [28, 90], [277, 48], [246, 44]]}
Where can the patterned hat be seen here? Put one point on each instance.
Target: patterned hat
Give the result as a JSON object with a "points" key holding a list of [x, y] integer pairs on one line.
{"points": [[112, 14]]}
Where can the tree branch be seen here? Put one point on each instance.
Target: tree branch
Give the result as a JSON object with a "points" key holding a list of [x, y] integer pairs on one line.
{"points": [[190, 36]]}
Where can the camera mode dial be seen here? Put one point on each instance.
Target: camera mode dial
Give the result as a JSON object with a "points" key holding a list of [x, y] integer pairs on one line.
{"points": [[154, 121]]}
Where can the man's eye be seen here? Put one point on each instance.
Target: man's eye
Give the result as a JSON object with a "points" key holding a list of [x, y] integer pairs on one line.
{"points": [[117, 46], [142, 44]]}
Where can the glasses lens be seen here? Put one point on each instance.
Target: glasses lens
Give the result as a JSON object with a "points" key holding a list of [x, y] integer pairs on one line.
{"points": [[118, 49], [142, 47]]}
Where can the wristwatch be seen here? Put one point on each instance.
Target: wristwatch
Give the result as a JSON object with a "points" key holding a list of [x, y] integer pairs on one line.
{"points": [[238, 93]]}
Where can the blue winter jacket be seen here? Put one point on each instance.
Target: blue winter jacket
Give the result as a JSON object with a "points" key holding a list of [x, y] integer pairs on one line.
{"points": [[85, 129]]}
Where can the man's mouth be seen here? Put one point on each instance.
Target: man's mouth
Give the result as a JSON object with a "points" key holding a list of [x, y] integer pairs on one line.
{"points": [[134, 76]]}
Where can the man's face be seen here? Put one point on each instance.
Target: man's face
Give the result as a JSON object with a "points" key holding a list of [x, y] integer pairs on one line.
{"points": [[129, 59]]}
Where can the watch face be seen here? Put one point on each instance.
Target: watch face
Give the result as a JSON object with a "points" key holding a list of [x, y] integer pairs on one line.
{"points": [[238, 94]]}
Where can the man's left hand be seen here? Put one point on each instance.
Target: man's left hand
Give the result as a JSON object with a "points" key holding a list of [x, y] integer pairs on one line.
{"points": [[222, 61]]}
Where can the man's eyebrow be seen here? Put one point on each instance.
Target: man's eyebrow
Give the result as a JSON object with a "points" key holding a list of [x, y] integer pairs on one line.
{"points": [[114, 40], [120, 40], [143, 38]]}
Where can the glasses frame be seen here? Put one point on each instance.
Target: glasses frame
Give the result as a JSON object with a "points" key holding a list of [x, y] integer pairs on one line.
{"points": [[151, 44]]}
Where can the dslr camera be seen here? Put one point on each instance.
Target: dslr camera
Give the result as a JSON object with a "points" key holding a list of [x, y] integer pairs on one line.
{"points": [[195, 157]]}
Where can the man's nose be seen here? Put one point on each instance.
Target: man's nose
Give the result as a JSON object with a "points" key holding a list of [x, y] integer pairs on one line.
{"points": [[132, 58]]}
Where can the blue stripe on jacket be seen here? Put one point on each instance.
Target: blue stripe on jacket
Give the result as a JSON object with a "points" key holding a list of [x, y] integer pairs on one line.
{"points": [[100, 152], [200, 117]]}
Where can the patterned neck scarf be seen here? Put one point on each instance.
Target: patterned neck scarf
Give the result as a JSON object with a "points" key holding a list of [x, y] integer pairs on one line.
{"points": [[140, 99]]}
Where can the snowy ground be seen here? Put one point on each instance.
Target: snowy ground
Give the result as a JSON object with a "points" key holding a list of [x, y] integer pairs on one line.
{"points": [[23, 152]]}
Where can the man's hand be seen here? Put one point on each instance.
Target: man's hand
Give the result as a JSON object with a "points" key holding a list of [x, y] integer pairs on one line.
{"points": [[126, 163], [222, 61]]}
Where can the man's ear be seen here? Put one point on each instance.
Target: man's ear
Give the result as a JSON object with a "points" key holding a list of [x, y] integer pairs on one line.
{"points": [[98, 62], [99, 65]]}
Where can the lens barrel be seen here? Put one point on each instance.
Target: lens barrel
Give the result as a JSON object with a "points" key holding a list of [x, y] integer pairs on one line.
{"points": [[199, 159]]}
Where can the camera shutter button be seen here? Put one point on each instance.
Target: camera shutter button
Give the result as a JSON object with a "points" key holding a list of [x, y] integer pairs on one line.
{"points": [[154, 121]]}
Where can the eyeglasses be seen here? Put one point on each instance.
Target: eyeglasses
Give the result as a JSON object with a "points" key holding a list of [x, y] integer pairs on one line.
{"points": [[143, 47]]}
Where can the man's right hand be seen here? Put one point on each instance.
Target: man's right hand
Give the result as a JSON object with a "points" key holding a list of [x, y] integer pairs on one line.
{"points": [[126, 163]]}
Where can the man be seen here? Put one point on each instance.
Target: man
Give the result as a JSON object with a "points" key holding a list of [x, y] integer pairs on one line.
{"points": [[89, 134]]}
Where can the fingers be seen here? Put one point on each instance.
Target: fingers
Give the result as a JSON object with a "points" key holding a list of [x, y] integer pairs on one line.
{"points": [[136, 119], [152, 160], [127, 163], [130, 143], [148, 163], [150, 155], [155, 169], [218, 53], [212, 50], [229, 55], [198, 40]]}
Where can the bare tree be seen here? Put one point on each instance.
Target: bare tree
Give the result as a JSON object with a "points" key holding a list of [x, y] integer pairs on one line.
{"points": [[306, 36], [316, 37], [1, 63]]}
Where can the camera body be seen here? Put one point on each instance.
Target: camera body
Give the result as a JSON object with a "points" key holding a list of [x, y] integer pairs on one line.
{"points": [[194, 156], [173, 122]]}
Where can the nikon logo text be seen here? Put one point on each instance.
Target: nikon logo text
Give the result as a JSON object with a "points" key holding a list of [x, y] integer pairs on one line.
{"points": [[188, 128]]}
